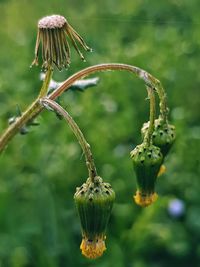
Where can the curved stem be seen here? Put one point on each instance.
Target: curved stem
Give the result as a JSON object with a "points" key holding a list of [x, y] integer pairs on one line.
{"points": [[35, 108], [149, 80], [148, 135], [76, 130], [142, 74]]}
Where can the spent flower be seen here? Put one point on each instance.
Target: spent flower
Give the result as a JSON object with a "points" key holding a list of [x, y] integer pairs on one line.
{"points": [[52, 34]]}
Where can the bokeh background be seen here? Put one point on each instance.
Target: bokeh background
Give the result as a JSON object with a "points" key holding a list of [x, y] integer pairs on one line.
{"points": [[39, 171]]}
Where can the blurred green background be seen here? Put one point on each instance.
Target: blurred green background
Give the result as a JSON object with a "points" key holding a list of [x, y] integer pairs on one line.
{"points": [[39, 171]]}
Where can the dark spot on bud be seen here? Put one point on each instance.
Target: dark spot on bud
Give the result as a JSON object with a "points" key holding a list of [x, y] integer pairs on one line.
{"points": [[154, 135], [158, 125], [145, 149], [91, 188], [142, 161], [90, 199], [172, 135], [161, 133], [166, 130], [96, 190], [107, 192], [82, 192], [90, 240], [149, 155], [140, 153]]}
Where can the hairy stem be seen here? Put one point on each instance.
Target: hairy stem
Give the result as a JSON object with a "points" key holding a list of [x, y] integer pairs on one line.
{"points": [[35, 108], [77, 132], [148, 135]]}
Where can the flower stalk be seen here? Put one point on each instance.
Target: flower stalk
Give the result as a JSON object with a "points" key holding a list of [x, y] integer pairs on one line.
{"points": [[149, 132], [48, 103]]}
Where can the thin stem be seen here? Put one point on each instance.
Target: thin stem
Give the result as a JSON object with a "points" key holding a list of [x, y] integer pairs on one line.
{"points": [[149, 80], [34, 109], [77, 132], [45, 86], [142, 74], [164, 110], [148, 135]]}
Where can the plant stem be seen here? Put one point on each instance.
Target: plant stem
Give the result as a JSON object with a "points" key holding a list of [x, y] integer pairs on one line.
{"points": [[164, 110], [45, 86], [148, 135], [35, 108], [77, 132], [142, 74]]}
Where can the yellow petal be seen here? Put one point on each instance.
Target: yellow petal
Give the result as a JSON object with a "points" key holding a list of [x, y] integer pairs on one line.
{"points": [[145, 200], [162, 170], [93, 249]]}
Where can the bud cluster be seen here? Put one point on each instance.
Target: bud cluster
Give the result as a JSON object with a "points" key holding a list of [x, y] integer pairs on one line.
{"points": [[148, 160]]}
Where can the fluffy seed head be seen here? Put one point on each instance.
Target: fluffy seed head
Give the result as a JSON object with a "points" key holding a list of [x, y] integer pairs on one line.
{"points": [[52, 22]]}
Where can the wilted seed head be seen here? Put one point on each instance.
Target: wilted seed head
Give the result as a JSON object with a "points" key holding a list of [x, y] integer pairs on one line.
{"points": [[52, 33]]}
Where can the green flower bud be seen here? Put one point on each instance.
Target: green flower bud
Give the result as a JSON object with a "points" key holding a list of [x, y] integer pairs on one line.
{"points": [[94, 201], [163, 136], [147, 161]]}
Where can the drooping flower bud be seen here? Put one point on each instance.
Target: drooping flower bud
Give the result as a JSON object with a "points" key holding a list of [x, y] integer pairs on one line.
{"points": [[147, 161], [163, 136], [94, 201], [52, 33]]}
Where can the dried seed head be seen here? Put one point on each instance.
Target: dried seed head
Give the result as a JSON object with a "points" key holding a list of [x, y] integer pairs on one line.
{"points": [[52, 34]]}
